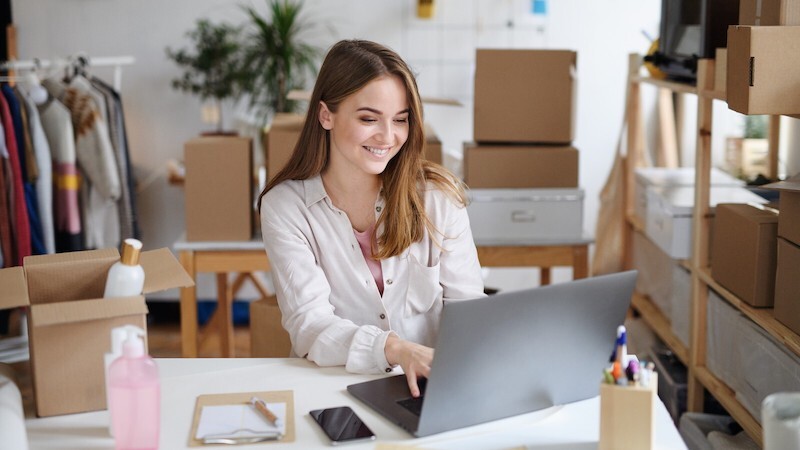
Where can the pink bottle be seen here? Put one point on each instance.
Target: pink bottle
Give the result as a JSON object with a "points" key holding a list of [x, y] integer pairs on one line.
{"points": [[135, 397]]}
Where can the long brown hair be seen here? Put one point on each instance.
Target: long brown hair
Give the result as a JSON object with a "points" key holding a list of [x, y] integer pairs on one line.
{"points": [[348, 67]]}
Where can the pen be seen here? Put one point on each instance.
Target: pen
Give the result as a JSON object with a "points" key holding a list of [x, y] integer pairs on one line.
{"points": [[261, 406], [622, 347]]}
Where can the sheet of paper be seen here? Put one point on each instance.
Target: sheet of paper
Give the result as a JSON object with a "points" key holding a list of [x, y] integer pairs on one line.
{"points": [[239, 421]]}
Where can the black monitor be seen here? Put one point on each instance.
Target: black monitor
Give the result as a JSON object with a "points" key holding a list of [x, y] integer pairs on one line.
{"points": [[691, 30]]}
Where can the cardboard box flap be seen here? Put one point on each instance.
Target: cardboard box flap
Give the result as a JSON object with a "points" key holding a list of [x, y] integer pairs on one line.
{"points": [[288, 122], [86, 310], [790, 184], [64, 277], [13, 287], [162, 271]]}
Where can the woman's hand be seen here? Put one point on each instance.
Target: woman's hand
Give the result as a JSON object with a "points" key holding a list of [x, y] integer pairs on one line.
{"points": [[415, 359]]}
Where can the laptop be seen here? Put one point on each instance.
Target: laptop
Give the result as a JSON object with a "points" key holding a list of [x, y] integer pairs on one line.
{"points": [[510, 353]]}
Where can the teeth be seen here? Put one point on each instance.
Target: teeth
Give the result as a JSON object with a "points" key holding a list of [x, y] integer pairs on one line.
{"points": [[378, 151]]}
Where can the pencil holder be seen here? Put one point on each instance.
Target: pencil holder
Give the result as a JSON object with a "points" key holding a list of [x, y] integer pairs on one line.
{"points": [[627, 416]]}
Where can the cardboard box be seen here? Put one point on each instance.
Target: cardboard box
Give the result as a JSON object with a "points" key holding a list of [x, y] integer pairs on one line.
{"points": [[787, 285], [280, 141], [520, 166], [525, 96], [69, 324], [789, 204], [744, 252], [628, 416], [268, 338], [763, 69], [769, 12], [219, 189], [432, 151], [499, 216]]}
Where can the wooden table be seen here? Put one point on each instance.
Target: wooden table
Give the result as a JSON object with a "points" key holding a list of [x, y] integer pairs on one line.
{"points": [[246, 257]]}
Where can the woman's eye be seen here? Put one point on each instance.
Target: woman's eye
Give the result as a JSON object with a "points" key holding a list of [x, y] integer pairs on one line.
{"points": [[403, 120], [368, 119]]}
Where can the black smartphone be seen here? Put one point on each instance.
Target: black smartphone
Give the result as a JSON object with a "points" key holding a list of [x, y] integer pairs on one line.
{"points": [[342, 425]]}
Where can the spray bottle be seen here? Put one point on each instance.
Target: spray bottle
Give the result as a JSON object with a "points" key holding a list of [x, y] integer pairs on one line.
{"points": [[135, 396]]}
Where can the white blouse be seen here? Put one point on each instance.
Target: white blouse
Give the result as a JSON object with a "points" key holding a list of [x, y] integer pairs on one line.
{"points": [[329, 302]]}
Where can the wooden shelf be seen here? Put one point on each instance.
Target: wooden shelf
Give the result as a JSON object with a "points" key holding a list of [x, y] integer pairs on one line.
{"points": [[636, 222], [659, 323], [668, 84], [727, 397], [764, 317]]}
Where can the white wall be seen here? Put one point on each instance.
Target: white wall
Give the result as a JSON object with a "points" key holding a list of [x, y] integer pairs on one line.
{"points": [[160, 119]]}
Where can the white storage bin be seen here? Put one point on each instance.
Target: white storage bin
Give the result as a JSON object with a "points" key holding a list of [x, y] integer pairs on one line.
{"points": [[680, 304], [520, 215], [766, 367], [655, 272], [647, 177], [669, 214], [722, 336]]}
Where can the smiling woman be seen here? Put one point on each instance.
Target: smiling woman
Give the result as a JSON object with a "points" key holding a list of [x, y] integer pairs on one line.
{"points": [[366, 239]]}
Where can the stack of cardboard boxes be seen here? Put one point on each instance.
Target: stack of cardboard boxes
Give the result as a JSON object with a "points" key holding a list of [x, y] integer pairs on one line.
{"points": [[521, 169]]}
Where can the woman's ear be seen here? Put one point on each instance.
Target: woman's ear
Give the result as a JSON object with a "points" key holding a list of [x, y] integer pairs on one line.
{"points": [[325, 116]]}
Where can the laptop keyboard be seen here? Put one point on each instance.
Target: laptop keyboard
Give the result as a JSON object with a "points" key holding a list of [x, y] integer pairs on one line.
{"points": [[414, 405]]}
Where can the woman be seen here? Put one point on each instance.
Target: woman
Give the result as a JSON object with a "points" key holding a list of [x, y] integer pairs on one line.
{"points": [[366, 240]]}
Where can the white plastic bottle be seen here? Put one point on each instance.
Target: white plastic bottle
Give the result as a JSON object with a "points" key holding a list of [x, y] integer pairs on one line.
{"points": [[118, 336], [135, 400], [126, 277]]}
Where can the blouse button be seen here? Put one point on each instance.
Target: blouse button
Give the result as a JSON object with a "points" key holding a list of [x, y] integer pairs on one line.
{"points": [[388, 369], [383, 316], [389, 281], [378, 208]]}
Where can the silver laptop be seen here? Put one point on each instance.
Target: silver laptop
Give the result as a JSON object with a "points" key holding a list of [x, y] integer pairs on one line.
{"points": [[509, 354]]}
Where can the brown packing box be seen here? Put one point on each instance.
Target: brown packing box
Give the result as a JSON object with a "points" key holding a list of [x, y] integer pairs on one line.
{"points": [[69, 324], [520, 166], [432, 151], [789, 204], [219, 189], [787, 285], [268, 338], [743, 251], [525, 96], [769, 12], [763, 69], [280, 141]]}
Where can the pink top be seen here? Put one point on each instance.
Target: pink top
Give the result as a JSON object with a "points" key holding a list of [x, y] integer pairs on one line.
{"points": [[365, 242]]}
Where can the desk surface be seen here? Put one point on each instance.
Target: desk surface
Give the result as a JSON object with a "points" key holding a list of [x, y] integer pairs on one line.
{"points": [[573, 426]]}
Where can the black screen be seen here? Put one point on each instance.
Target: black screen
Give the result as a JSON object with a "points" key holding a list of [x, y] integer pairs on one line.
{"points": [[341, 424]]}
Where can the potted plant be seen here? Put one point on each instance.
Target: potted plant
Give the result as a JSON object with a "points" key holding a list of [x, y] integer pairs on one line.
{"points": [[274, 58], [211, 66]]}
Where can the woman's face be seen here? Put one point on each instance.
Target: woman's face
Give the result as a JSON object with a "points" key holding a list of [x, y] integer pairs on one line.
{"points": [[369, 127]]}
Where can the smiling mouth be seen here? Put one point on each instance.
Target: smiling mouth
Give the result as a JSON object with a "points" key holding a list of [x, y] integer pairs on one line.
{"points": [[377, 151]]}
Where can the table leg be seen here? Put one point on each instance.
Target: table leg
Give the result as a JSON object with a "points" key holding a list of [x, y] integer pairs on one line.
{"points": [[544, 276], [188, 309], [225, 313], [580, 262]]}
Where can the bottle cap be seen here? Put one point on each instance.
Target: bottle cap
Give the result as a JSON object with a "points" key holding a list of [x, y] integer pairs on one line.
{"points": [[134, 344], [130, 252]]}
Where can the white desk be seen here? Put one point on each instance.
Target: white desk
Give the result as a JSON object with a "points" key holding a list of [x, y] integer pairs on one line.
{"points": [[573, 426]]}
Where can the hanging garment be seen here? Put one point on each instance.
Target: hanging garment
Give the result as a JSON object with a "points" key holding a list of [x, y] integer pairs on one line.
{"points": [[57, 124], [96, 160], [44, 183], [6, 211], [116, 128], [28, 169], [21, 235]]}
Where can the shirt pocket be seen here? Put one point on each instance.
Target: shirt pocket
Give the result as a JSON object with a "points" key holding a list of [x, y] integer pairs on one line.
{"points": [[424, 289]]}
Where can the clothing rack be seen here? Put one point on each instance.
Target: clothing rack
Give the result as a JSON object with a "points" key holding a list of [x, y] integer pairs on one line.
{"points": [[109, 61]]}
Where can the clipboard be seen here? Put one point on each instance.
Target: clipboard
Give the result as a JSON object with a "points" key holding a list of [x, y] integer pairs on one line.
{"points": [[242, 398]]}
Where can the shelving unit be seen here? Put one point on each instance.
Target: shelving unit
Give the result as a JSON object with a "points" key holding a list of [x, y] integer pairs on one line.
{"points": [[700, 377]]}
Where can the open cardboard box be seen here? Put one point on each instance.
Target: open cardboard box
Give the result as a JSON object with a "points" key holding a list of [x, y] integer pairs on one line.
{"points": [[69, 323]]}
